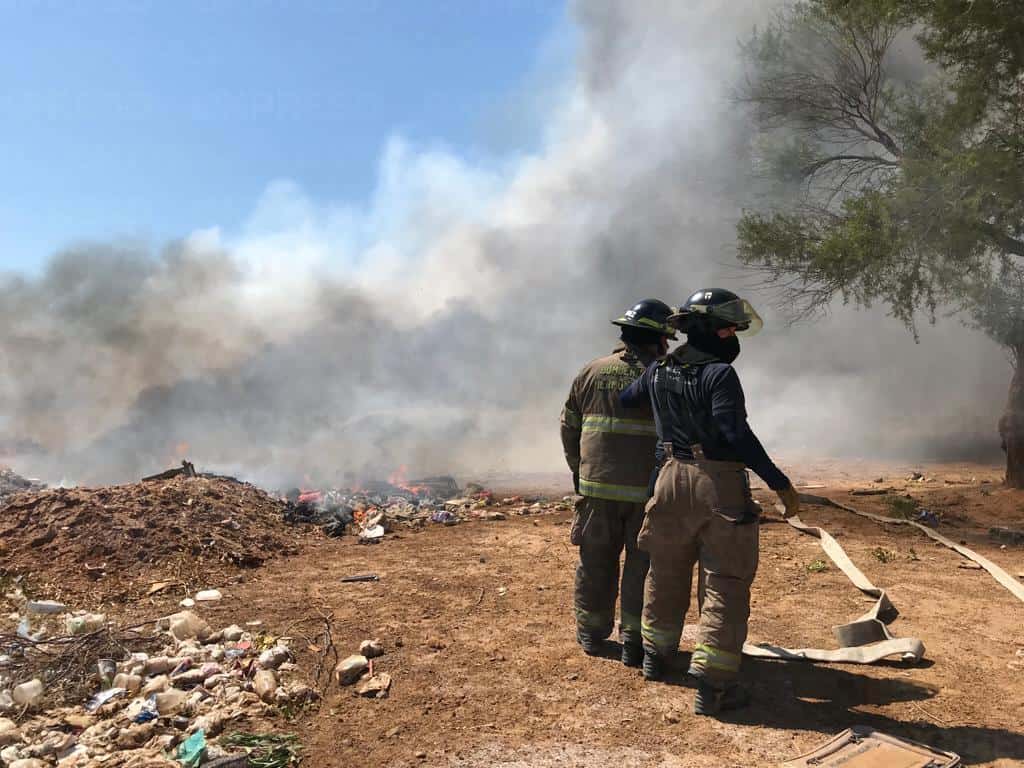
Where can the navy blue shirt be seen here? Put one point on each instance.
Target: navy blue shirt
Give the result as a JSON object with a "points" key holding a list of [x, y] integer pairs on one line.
{"points": [[721, 408]]}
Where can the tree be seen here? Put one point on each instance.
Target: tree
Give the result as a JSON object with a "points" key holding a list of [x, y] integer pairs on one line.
{"points": [[892, 182]]}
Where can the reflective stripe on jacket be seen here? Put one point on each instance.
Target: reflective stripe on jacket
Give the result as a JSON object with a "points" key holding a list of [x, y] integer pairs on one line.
{"points": [[610, 447]]}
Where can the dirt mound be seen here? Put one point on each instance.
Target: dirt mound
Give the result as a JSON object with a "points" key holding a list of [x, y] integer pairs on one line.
{"points": [[117, 540]]}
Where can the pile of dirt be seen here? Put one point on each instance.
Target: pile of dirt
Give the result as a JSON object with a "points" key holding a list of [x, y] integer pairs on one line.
{"points": [[117, 540]]}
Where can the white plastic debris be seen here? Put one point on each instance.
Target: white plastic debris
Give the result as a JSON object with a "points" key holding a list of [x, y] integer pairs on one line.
{"points": [[28, 694], [84, 624], [208, 595], [372, 535]]}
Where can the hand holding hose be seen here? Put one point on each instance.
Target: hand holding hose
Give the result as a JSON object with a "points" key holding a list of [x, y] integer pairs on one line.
{"points": [[790, 500]]}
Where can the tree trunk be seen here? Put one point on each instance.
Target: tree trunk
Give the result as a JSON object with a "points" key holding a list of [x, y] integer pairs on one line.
{"points": [[1011, 425]]}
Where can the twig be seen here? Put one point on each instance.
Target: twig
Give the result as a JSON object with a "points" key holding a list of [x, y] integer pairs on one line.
{"points": [[479, 599]]}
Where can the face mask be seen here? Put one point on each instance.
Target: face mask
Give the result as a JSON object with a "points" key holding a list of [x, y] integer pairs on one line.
{"points": [[726, 350]]}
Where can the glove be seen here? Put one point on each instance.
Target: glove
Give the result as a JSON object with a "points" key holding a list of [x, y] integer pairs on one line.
{"points": [[576, 482], [790, 500]]}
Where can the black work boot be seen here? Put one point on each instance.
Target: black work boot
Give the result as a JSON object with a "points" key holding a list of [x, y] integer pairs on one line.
{"points": [[632, 654], [654, 665], [592, 643], [713, 698]]}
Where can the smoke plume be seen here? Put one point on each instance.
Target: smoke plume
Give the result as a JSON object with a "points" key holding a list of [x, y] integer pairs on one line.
{"points": [[439, 324]]}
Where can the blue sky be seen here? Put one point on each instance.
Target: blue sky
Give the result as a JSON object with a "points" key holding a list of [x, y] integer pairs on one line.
{"points": [[150, 119]]}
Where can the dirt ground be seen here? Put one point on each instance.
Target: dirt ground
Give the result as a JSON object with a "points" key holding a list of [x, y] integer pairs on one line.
{"points": [[478, 628], [477, 624]]}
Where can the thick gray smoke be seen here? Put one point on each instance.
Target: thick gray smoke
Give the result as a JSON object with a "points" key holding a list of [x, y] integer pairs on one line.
{"points": [[440, 325]]}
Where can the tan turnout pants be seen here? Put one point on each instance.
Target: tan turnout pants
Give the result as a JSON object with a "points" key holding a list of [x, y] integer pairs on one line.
{"points": [[602, 530], [702, 512]]}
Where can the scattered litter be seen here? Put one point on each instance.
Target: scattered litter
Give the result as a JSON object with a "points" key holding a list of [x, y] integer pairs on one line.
{"points": [[863, 747], [969, 566], [208, 595], [103, 697], [360, 577], [375, 686], [28, 694], [45, 606], [192, 750], [928, 518], [266, 750], [372, 535]]}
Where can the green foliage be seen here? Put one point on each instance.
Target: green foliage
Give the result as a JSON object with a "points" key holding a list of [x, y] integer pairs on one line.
{"points": [[885, 186], [883, 555], [903, 507]]}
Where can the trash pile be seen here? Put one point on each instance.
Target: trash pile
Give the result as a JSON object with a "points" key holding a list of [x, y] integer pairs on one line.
{"points": [[378, 507], [11, 483], [169, 705], [108, 540]]}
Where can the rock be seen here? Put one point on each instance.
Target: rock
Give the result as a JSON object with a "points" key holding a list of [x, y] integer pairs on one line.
{"points": [[187, 602], [265, 683], [9, 733], [9, 754], [169, 702], [6, 701], [28, 694], [208, 596], [300, 693], [421, 755], [371, 649], [187, 626], [272, 658], [157, 684], [232, 634], [375, 686], [131, 683], [351, 669], [28, 762]]}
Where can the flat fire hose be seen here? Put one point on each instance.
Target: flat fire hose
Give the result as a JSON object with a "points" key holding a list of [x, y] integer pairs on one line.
{"points": [[863, 641], [867, 640], [997, 573]]}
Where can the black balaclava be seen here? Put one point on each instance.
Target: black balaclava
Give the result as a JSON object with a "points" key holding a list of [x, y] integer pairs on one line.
{"points": [[709, 342]]}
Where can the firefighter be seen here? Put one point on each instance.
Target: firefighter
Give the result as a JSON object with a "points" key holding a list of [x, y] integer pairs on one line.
{"points": [[701, 509], [610, 451]]}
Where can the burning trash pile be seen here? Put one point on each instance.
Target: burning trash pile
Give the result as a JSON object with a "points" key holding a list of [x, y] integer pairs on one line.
{"points": [[191, 530], [158, 694], [377, 507], [11, 483]]}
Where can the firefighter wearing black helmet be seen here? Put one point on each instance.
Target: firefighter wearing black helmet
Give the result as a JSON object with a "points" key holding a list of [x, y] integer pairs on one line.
{"points": [[610, 450], [701, 509]]}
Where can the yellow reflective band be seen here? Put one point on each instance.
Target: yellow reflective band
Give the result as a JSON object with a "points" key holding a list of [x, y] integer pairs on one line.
{"points": [[632, 493], [715, 658], [570, 418], [629, 621], [662, 638], [592, 619], [618, 426]]}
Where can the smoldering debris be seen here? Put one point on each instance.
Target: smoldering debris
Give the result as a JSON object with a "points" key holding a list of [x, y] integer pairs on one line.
{"points": [[379, 506], [11, 483]]}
